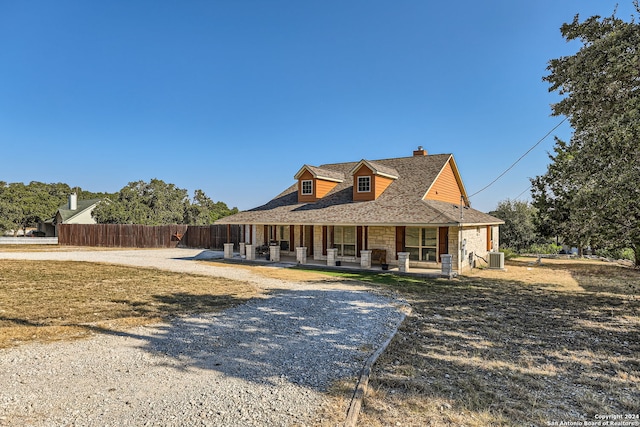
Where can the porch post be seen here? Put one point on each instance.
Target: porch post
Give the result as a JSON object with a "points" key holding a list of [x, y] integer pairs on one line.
{"points": [[365, 259], [274, 253], [301, 255], [403, 262], [228, 250], [332, 254], [251, 252]]}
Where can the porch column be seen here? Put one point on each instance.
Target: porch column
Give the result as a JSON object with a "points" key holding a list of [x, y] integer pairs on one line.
{"points": [[365, 259], [251, 252], [242, 248], [403, 262], [447, 265], [301, 255], [274, 253], [228, 250], [332, 254]]}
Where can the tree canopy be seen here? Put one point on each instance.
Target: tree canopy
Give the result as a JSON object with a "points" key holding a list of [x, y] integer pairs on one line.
{"points": [[157, 203], [518, 231], [590, 193], [148, 203], [24, 205]]}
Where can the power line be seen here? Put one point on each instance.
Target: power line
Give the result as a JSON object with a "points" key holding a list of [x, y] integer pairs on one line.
{"points": [[525, 190], [521, 157]]}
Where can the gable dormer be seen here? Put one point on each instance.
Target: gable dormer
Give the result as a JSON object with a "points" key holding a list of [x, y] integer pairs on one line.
{"points": [[314, 183], [448, 186], [370, 179]]}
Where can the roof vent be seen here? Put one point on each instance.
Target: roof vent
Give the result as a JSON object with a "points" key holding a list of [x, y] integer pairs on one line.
{"points": [[419, 152]]}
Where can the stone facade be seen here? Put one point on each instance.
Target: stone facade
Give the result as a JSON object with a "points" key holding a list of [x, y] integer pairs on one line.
{"points": [[462, 244], [384, 238], [473, 244]]}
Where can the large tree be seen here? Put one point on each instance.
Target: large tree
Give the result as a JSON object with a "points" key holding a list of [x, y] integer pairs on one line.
{"points": [[23, 206], [146, 203], [590, 193], [157, 203], [518, 231], [204, 211]]}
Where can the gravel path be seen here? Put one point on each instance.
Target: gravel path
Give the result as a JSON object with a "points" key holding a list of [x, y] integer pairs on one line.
{"points": [[267, 362]]}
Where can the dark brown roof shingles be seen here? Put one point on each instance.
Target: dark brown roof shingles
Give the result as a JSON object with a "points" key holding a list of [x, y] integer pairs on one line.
{"points": [[400, 204]]}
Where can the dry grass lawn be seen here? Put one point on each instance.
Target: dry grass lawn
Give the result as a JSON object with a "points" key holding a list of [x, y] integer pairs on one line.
{"points": [[527, 346], [531, 345], [54, 300]]}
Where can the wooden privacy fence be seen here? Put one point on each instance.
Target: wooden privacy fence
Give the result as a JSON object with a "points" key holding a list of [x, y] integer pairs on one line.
{"points": [[211, 236], [146, 236]]}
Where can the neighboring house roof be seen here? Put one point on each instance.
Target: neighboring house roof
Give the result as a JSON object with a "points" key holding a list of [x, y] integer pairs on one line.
{"points": [[67, 214], [402, 203]]}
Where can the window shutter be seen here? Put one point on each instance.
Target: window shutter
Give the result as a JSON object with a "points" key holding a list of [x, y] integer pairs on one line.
{"points": [[332, 237], [399, 239], [488, 237], [366, 237], [324, 240]]}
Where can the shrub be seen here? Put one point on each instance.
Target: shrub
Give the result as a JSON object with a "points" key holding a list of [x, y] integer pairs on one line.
{"points": [[545, 248], [625, 253], [509, 253]]}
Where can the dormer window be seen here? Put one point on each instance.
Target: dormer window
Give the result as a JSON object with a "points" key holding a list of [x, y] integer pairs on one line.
{"points": [[364, 184], [314, 183], [307, 187], [370, 180]]}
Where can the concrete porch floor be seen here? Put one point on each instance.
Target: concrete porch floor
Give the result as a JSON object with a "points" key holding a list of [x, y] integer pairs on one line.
{"points": [[288, 261]]}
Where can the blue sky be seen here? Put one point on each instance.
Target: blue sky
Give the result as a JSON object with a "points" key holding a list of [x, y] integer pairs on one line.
{"points": [[233, 97]]}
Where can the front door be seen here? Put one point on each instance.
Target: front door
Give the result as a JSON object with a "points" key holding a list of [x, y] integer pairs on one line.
{"points": [[443, 241]]}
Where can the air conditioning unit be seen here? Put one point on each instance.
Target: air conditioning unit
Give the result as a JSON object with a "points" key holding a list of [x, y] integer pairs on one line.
{"points": [[496, 260]]}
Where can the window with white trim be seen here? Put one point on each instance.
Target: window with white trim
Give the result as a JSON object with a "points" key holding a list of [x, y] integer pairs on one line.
{"points": [[421, 243], [344, 239], [364, 184], [307, 187]]}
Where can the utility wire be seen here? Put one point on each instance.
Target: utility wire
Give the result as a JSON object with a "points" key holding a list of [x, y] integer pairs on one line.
{"points": [[526, 189], [521, 157]]}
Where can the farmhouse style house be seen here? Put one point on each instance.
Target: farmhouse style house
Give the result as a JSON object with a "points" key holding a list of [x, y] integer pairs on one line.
{"points": [[73, 212], [376, 211]]}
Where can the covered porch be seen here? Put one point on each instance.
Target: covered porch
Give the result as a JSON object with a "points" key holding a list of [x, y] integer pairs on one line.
{"points": [[277, 258]]}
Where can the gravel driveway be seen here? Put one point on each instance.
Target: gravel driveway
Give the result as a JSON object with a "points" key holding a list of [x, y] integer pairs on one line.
{"points": [[267, 362]]}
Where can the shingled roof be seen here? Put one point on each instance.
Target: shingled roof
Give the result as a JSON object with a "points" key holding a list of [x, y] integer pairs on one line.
{"points": [[400, 204], [83, 205]]}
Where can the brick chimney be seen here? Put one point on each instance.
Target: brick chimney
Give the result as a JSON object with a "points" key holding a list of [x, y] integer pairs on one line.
{"points": [[419, 152]]}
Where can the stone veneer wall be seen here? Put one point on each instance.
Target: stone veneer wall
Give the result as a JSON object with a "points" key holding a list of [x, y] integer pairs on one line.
{"points": [[476, 243], [384, 238]]}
